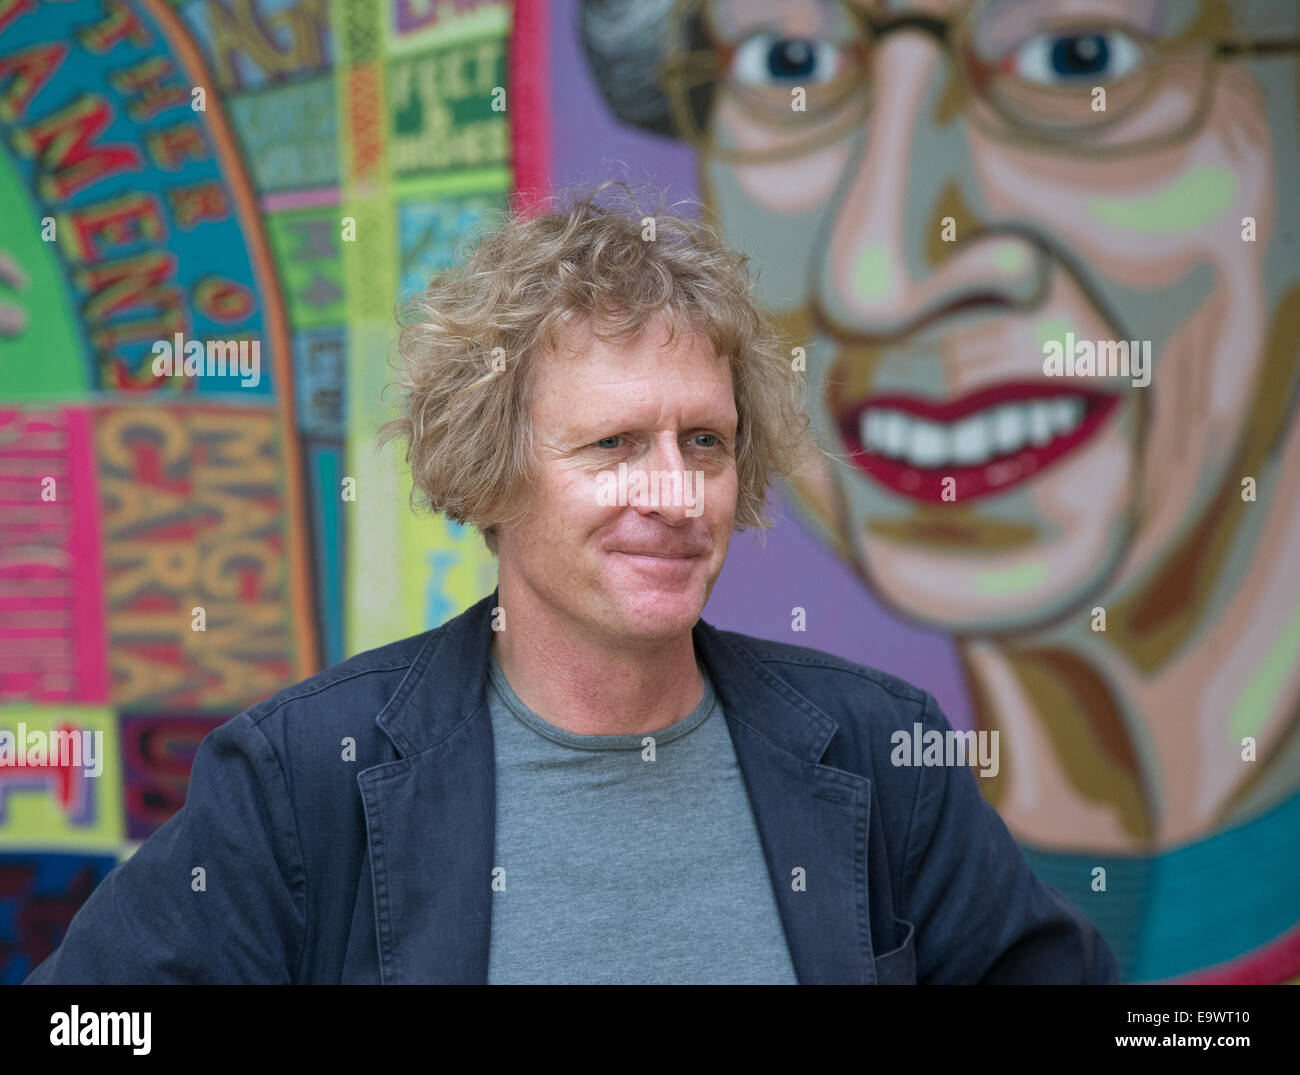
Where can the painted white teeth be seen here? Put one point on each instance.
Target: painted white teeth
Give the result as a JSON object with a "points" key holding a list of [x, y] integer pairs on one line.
{"points": [[1078, 410], [1062, 414], [995, 431], [870, 432], [895, 436], [1040, 424], [1012, 422], [972, 440], [929, 444]]}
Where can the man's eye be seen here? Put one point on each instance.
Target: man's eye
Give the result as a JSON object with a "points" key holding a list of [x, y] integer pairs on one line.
{"points": [[712, 436], [768, 58], [1064, 58], [604, 441]]}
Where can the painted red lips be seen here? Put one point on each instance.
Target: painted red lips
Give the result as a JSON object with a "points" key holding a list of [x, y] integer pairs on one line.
{"points": [[986, 442]]}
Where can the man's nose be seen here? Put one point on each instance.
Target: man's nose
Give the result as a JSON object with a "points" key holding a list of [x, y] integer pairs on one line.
{"points": [[666, 481], [910, 236]]}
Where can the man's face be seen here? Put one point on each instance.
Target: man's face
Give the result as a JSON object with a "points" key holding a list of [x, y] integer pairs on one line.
{"points": [[596, 551], [926, 355]]}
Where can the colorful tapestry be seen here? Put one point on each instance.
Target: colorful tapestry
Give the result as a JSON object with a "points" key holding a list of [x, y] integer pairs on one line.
{"points": [[211, 211], [1039, 272]]}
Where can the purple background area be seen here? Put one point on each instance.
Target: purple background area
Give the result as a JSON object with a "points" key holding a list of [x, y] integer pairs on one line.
{"points": [[759, 586]]}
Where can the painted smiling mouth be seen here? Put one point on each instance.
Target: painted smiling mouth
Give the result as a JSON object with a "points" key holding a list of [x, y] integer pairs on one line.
{"points": [[986, 442]]}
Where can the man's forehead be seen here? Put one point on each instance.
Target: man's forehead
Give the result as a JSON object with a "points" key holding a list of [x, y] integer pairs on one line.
{"points": [[658, 408], [586, 387], [578, 338], [604, 376]]}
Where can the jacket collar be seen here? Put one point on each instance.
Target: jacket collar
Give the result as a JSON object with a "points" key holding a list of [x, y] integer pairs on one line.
{"points": [[431, 814], [447, 684]]}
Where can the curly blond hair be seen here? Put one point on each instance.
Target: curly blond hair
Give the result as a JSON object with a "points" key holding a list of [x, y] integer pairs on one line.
{"points": [[469, 342]]}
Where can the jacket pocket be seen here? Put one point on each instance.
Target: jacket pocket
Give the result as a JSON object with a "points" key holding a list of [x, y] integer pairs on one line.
{"points": [[899, 966]]}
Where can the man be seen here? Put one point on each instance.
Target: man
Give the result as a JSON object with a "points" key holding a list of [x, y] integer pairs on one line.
{"points": [[578, 779], [963, 191]]}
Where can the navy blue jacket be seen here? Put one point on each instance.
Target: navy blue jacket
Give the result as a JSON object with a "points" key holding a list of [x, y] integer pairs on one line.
{"points": [[318, 869]]}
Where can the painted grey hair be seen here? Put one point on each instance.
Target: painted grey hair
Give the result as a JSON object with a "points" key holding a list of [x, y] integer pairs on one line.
{"points": [[625, 42]]}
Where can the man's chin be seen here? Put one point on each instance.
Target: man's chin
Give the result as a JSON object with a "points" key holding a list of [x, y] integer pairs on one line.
{"points": [[655, 613]]}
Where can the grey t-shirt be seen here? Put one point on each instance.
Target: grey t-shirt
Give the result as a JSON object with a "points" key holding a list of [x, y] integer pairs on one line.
{"points": [[622, 870]]}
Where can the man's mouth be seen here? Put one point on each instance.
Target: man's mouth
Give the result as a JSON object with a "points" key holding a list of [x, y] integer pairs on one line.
{"points": [[986, 442]]}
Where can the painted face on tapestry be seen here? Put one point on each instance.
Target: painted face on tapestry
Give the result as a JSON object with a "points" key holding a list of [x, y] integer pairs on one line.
{"points": [[1061, 178]]}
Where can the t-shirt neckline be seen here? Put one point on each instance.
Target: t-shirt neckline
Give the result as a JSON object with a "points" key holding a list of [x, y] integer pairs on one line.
{"points": [[633, 741]]}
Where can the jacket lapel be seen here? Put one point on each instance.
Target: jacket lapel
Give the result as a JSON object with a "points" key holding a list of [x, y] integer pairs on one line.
{"points": [[431, 814], [812, 818]]}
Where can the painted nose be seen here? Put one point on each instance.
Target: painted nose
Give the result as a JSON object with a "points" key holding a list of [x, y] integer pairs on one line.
{"points": [[905, 245]]}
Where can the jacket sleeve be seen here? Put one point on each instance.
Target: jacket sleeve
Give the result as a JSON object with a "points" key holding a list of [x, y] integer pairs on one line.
{"points": [[981, 915], [155, 919]]}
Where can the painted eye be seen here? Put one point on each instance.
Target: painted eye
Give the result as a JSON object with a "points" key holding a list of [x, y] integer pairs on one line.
{"points": [[1065, 58], [768, 59]]}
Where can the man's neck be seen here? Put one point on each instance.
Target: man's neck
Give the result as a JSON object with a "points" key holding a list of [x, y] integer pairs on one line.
{"points": [[588, 686]]}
